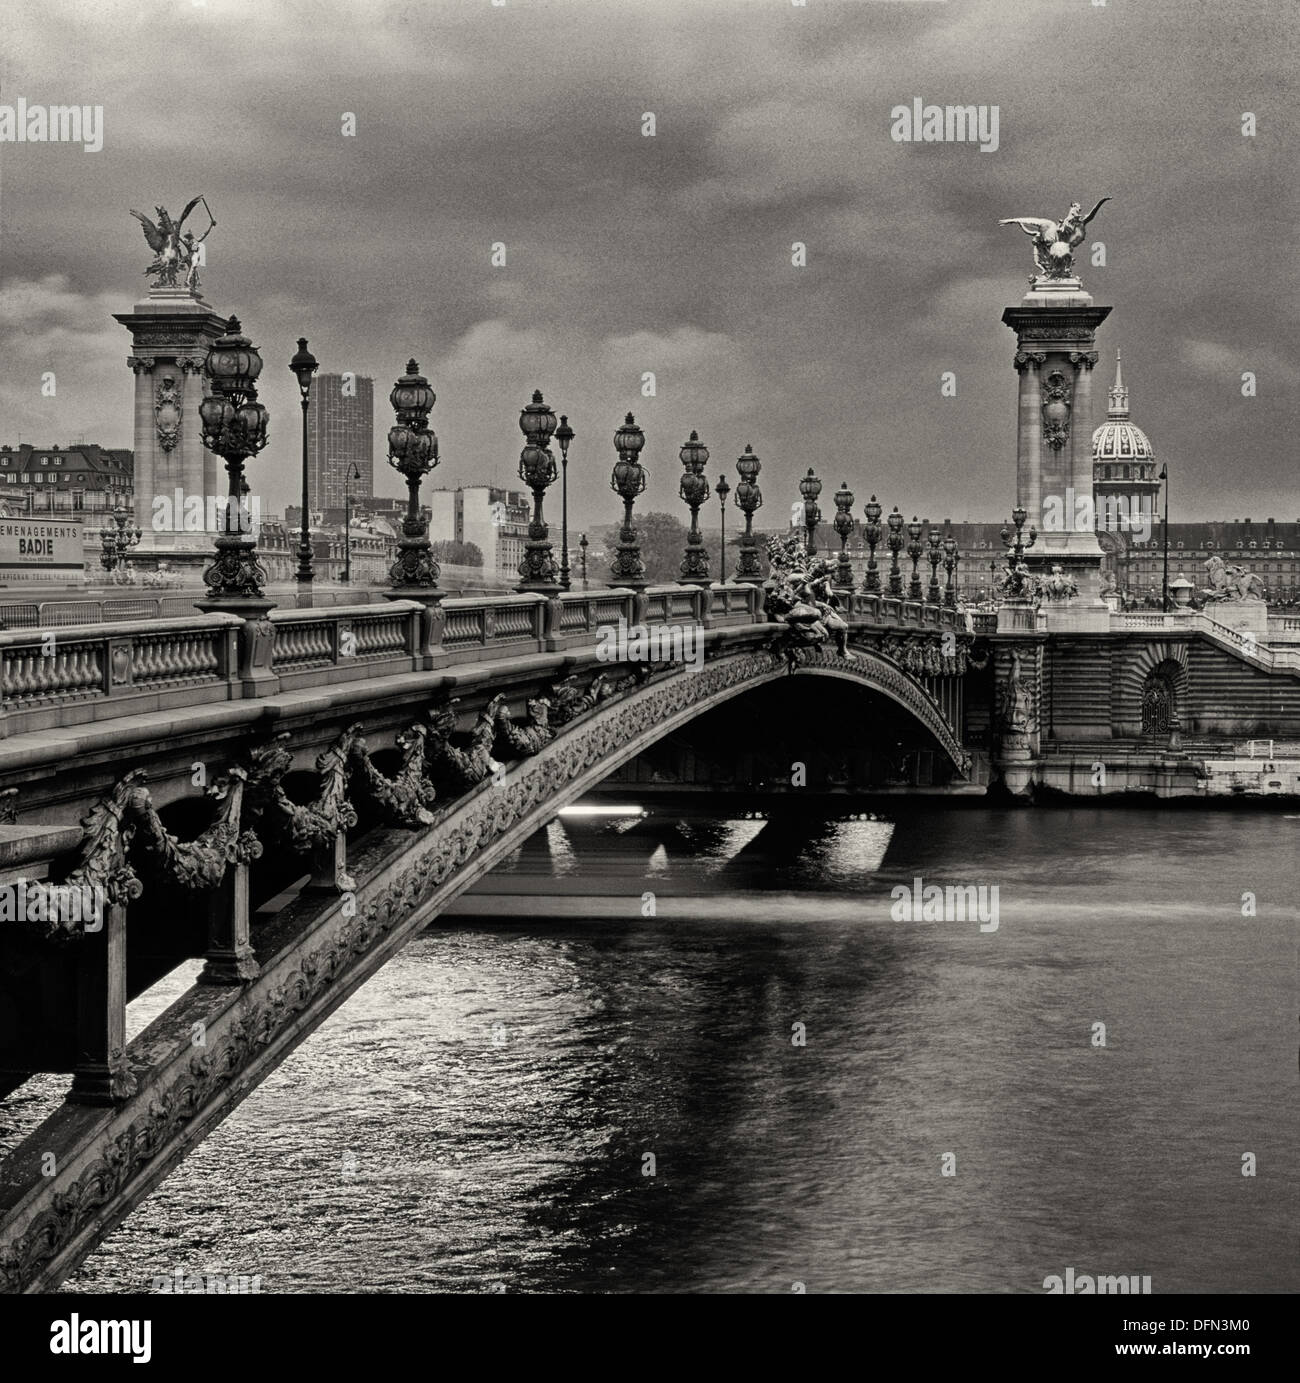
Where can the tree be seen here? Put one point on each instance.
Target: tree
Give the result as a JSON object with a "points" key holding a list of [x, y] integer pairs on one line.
{"points": [[458, 554], [663, 540]]}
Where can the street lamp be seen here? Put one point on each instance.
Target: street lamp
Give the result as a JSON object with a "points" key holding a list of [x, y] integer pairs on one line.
{"points": [[628, 481], [694, 489], [582, 557], [537, 471], [749, 498], [413, 450], [234, 427], [304, 364], [722, 490], [810, 487], [564, 434], [872, 532], [895, 540], [914, 591], [117, 539], [1164, 476], [844, 527], [950, 558], [353, 474], [934, 556]]}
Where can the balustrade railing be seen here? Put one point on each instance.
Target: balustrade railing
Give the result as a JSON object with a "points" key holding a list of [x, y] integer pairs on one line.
{"points": [[56, 672], [73, 673]]}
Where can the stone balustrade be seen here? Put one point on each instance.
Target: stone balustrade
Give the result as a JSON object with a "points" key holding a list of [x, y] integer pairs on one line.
{"points": [[78, 673], [65, 673]]}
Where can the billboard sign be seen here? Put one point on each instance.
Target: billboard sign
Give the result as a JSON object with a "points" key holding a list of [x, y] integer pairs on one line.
{"points": [[41, 552]]}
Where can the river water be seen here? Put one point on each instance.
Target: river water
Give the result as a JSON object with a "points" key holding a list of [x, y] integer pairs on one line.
{"points": [[613, 1094]]}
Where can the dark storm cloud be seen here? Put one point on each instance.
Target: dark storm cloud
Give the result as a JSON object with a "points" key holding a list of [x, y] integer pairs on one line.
{"points": [[521, 124]]}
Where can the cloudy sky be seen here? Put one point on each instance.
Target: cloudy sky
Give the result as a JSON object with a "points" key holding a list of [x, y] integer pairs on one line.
{"points": [[521, 123]]}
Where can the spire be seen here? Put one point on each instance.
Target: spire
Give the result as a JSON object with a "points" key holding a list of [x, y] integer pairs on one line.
{"points": [[1117, 395]]}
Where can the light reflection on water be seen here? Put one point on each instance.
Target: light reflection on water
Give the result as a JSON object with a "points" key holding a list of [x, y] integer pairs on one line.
{"points": [[479, 1113]]}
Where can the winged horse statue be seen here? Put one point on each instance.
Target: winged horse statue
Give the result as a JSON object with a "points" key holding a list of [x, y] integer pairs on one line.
{"points": [[174, 252], [1054, 242]]}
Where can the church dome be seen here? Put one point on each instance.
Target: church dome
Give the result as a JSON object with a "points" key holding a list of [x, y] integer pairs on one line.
{"points": [[1118, 439]]}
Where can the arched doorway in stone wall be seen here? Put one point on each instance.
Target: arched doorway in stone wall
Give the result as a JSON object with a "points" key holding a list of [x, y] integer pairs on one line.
{"points": [[1160, 699]]}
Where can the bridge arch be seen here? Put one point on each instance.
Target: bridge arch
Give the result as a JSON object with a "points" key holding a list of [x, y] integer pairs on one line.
{"points": [[323, 946]]}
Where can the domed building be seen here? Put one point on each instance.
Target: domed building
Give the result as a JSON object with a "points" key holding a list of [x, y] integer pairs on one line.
{"points": [[1124, 482], [1125, 485]]}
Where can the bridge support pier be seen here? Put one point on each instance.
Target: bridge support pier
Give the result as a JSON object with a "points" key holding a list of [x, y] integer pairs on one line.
{"points": [[101, 1075], [230, 958], [329, 867]]}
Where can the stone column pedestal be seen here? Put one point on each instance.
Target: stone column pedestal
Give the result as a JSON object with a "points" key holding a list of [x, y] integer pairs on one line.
{"points": [[1056, 327], [171, 332]]}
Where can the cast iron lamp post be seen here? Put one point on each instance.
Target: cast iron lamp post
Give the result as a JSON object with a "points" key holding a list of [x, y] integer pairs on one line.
{"points": [[1017, 547], [722, 490], [810, 487], [749, 499], [413, 451], [234, 428], [537, 470], [628, 481], [914, 591], [950, 559], [304, 364], [895, 540], [694, 489], [564, 434], [872, 532], [844, 527], [582, 557], [934, 556], [117, 538]]}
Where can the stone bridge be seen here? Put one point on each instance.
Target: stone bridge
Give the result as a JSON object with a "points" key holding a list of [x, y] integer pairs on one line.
{"points": [[289, 801]]}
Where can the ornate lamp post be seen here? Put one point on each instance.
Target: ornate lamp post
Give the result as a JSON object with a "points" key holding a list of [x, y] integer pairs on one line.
{"points": [[895, 540], [582, 557], [934, 556], [872, 532], [537, 471], [1017, 544], [810, 487], [117, 539], [353, 474], [914, 549], [749, 499], [722, 490], [628, 481], [413, 450], [694, 489], [304, 364], [564, 434], [234, 428], [844, 527], [950, 559]]}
